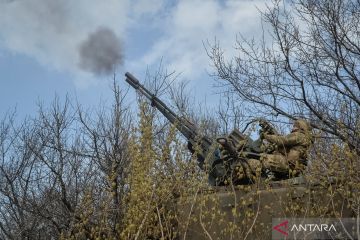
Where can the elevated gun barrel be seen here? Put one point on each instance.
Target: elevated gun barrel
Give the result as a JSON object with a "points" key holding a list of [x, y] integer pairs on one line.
{"points": [[184, 127], [208, 149], [155, 101], [130, 79]]}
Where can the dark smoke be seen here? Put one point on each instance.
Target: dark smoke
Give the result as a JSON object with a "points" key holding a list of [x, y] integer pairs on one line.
{"points": [[101, 52]]}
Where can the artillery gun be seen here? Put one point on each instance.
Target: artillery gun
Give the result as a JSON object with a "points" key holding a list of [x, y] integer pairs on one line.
{"points": [[242, 211], [206, 148]]}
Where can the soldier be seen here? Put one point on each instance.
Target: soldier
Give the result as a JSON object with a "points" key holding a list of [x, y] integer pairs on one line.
{"points": [[281, 157], [289, 157]]}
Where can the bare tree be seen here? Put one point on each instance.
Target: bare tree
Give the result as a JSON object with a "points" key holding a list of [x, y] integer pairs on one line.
{"points": [[106, 137], [63, 173], [309, 68], [41, 178], [15, 174]]}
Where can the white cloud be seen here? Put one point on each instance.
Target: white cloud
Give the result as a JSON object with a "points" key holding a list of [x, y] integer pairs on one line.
{"points": [[191, 22], [51, 30], [144, 7]]}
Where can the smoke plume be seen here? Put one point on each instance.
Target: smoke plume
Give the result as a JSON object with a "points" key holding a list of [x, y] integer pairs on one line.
{"points": [[52, 32], [101, 52]]}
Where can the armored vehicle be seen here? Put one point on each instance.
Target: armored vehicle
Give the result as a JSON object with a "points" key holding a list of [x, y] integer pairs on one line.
{"points": [[248, 211]]}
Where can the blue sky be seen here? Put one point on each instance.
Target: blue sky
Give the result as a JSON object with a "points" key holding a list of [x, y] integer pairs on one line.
{"points": [[40, 39]]}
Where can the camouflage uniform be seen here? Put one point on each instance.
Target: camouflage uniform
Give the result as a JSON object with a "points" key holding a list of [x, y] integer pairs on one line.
{"points": [[290, 155], [285, 156]]}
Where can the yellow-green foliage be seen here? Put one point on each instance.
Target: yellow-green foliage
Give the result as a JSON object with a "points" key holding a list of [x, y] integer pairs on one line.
{"points": [[140, 199], [167, 196], [341, 167], [158, 175]]}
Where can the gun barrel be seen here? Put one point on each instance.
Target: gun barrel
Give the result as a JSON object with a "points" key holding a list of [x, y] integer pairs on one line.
{"points": [[130, 79], [134, 82], [156, 102], [184, 127]]}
